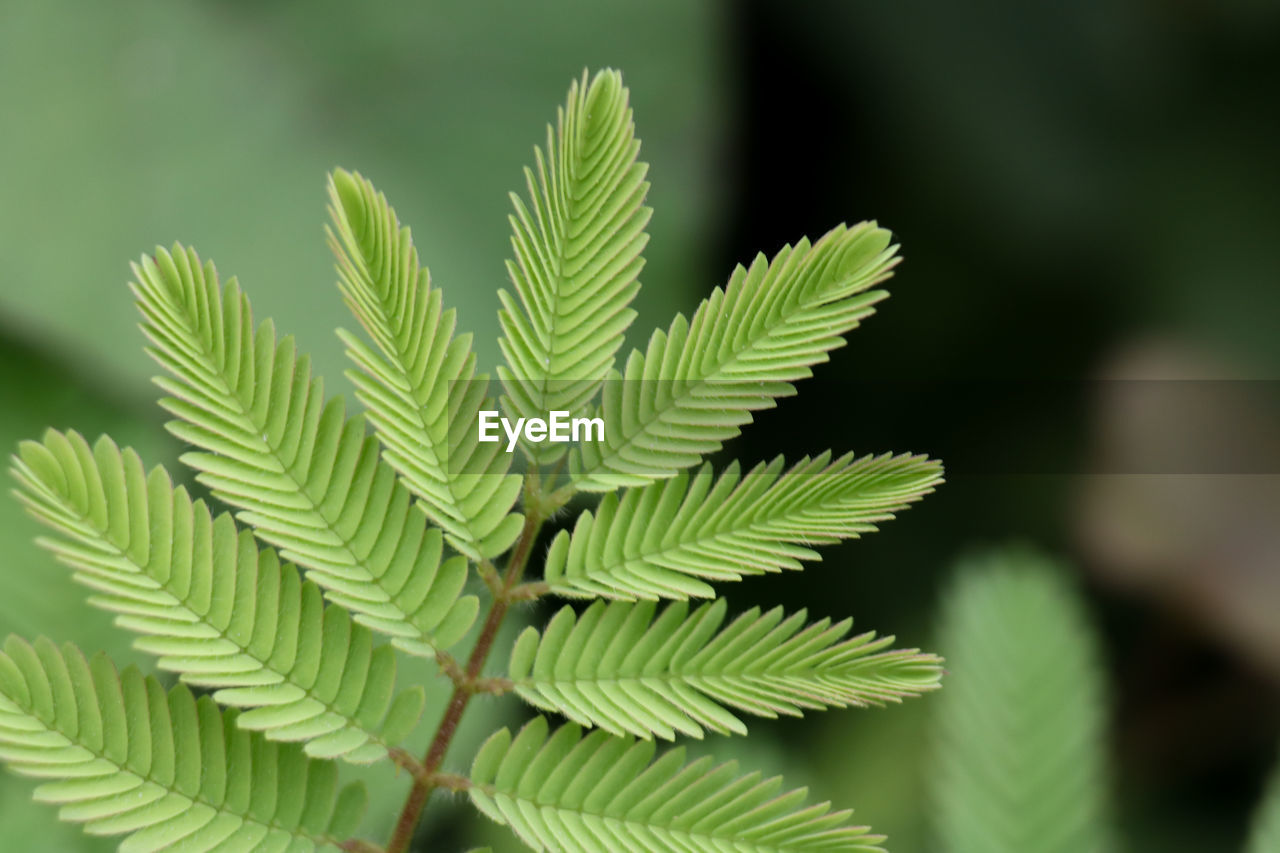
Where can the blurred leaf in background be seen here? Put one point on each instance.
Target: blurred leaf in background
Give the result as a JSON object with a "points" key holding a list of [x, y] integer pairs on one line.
{"points": [[1069, 182], [1020, 747], [1265, 835]]}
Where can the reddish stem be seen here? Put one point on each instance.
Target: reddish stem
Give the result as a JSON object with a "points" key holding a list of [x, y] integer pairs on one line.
{"points": [[463, 690]]}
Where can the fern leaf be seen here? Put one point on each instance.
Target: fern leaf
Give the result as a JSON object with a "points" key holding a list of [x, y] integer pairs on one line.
{"points": [[1020, 762], [700, 380], [568, 793], [306, 478], [421, 391], [1265, 835], [577, 255], [123, 757], [214, 608], [618, 668], [667, 539]]}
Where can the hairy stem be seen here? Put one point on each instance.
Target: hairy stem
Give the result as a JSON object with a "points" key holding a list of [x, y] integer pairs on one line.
{"points": [[452, 782], [470, 683]]}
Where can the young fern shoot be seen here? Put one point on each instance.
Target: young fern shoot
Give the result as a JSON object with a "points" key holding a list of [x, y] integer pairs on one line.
{"points": [[351, 541]]}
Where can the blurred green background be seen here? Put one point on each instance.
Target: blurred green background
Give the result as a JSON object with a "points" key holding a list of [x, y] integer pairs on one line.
{"points": [[1082, 191]]}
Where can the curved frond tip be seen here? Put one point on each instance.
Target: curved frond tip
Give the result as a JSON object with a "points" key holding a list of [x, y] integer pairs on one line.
{"points": [[577, 247], [566, 793], [420, 386], [123, 757], [619, 668], [211, 605], [304, 476]]}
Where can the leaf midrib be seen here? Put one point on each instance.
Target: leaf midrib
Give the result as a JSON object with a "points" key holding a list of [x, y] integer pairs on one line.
{"points": [[628, 562], [563, 227], [660, 415], [669, 676], [742, 846], [255, 435], [149, 779], [437, 469], [182, 604]]}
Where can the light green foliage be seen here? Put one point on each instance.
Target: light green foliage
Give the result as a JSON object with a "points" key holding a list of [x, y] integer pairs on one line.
{"points": [[577, 255], [122, 757], [212, 606], [305, 476], [1020, 762], [350, 546], [618, 668], [1265, 836], [422, 392], [665, 540], [700, 380], [566, 792]]}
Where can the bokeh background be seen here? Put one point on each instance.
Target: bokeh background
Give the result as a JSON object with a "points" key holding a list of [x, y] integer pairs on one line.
{"points": [[1088, 199]]}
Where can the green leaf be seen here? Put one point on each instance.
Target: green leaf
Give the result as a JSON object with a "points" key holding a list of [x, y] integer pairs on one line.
{"points": [[618, 668], [568, 793], [306, 478], [422, 391], [666, 540], [123, 757], [1020, 764], [577, 256], [700, 380], [208, 602], [1265, 835]]}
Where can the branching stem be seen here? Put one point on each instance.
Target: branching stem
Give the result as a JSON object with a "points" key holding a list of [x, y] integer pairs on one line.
{"points": [[470, 683], [494, 686], [450, 667], [531, 591]]}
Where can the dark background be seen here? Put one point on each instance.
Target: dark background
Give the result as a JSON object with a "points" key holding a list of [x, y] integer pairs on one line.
{"points": [[1083, 192]]}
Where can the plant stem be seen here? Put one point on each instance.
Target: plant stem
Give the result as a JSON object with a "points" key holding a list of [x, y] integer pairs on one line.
{"points": [[356, 845], [463, 690]]}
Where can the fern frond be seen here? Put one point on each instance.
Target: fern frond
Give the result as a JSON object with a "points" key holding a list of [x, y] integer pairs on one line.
{"points": [[1265, 835], [214, 608], [123, 757], [421, 391], [700, 380], [1020, 744], [618, 668], [577, 255], [570, 793], [666, 540], [306, 478]]}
